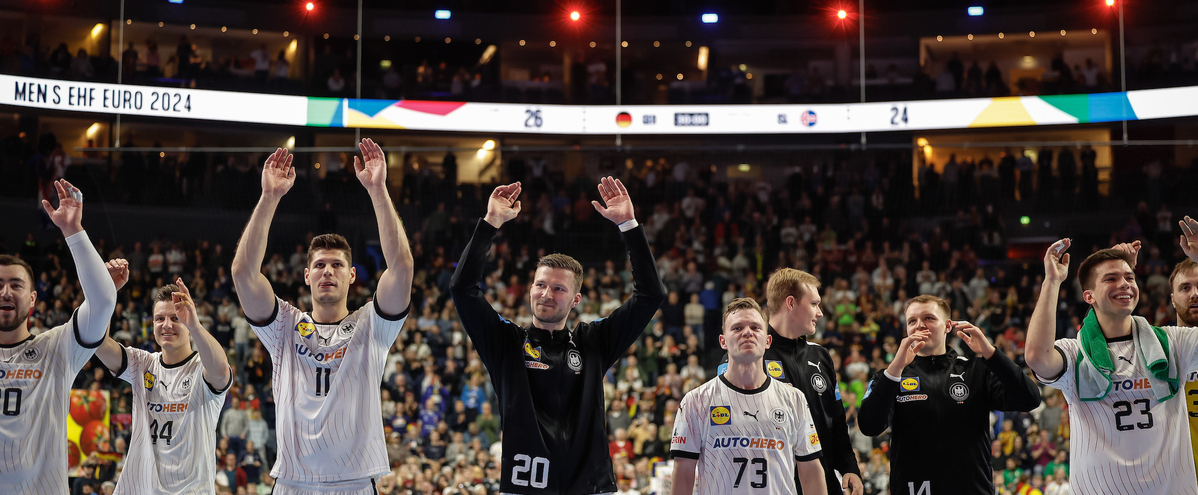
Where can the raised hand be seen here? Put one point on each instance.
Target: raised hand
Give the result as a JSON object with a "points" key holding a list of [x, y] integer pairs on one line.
{"points": [[277, 174], [974, 338], [907, 350], [619, 204], [1056, 261], [118, 269], [69, 214], [372, 169], [503, 206], [1132, 248], [185, 308], [1189, 237]]}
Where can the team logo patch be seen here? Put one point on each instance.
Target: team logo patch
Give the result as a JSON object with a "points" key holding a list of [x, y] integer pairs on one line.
{"points": [[574, 360], [819, 383], [719, 370], [31, 354], [910, 384], [720, 415], [305, 329], [774, 369], [346, 329], [531, 352], [185, 384], [813, 439], [778, 416], [958, 391], [536, 365], [149, 380]]}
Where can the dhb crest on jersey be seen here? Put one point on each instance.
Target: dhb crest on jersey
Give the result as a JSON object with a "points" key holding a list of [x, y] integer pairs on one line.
{"points": [[721, 415], [774, 369], [31, 354], [574, 360], [149, 380], [778, 416], [346, 329], [185, 384], [958, 391], [819, 383]]}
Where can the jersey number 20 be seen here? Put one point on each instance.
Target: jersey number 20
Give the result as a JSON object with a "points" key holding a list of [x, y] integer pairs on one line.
{"points": [[536, 467]]}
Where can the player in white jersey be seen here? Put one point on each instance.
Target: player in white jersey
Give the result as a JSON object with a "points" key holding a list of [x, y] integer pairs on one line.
{"points": [[328, 364], [178, 395], [1125, 418], [745, 431], [36, 372], [1183, 283]]}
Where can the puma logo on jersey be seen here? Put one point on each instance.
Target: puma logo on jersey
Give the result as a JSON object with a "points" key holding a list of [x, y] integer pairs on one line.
{"points": [[1125, 359], [809, 363], [747, 413], [961, 376]]}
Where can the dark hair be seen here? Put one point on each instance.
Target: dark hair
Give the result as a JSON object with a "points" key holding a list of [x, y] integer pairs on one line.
{"points": [[165, 292], [9, 260], [1085, 272], [738, 304], [332, 242], [1186, 265], [558, 260]]}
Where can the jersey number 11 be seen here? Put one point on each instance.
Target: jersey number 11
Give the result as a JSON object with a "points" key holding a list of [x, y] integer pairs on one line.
{"points": [[320, 370]]}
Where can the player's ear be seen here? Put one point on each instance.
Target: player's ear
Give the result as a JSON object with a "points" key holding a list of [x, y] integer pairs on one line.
{"points": [[577, 299], [1088, 297], [353, 274], [305, 274], [769, 339], [723, 343]]}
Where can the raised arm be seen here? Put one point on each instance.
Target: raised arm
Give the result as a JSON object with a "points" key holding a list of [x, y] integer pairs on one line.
{"points": [[109, 351], [877, 407], [216, 363], [1040, 355], [395, 283], [254, 292], [619, 330], [99, 294], [1010, 389]]}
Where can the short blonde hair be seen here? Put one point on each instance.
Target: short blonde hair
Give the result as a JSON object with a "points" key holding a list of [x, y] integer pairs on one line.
{"points": [[785, 282], [928, 298], [741, 303]]}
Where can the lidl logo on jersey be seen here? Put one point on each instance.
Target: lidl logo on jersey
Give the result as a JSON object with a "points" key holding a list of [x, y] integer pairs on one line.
{"points": [[166, 407], [531, 352], [305, 329], [720, 415], [748, 443], [910, 384], [774, 369], [20, 374], [149, 380]]}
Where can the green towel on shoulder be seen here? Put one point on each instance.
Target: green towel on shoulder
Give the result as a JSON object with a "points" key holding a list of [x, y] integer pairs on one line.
{"points": [[1095, 364]]}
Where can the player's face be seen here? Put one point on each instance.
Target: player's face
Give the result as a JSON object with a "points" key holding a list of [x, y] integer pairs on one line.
{"points": [[1115, 291], [16, 297], [807, 311], [169, 333], [552, 294], [329, 276], [1185, 298], [928, 316], [745, 336]]}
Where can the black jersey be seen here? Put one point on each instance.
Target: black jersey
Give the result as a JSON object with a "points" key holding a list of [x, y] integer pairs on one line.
{"points": [[939, 415], [550, 384], [807, 366]]}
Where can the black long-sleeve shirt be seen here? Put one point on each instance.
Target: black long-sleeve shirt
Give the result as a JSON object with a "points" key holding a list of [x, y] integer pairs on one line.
{"points": [[550, 384], [939, 415], [807, 366]]}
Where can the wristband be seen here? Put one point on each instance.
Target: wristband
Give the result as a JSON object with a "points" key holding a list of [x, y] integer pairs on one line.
{"points": [[629, 225], [896, 379]]}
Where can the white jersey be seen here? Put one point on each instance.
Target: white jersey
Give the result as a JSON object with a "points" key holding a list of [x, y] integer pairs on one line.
{"points": [[746, 441], [35, 386], [174, 425], [1128, 442], [329, 421]]}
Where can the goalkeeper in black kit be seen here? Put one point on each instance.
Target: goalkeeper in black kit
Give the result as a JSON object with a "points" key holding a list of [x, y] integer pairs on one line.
{"points": [[549, 378]]}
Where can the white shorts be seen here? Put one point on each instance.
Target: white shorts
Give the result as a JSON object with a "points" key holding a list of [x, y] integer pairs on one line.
{"points": [[352, 487]]}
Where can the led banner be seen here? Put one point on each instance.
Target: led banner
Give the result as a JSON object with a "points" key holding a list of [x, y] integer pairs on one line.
{"points": [[598, 119], [152, 101]]}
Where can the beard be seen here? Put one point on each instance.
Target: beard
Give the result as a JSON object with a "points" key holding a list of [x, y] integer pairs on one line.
{"points": [[556, 317], [15, 323], [1187, 317]]}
